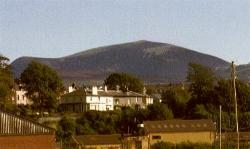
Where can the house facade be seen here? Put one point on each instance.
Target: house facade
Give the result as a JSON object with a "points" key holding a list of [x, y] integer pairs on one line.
{"points": [[20, 97], [178, 131], [101, 99]]}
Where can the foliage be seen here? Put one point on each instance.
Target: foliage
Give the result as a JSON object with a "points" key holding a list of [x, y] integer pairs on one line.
{"points": [[207, 95], [201, 88], [121, 121], [6, 82], [66, 128], [243, 96], [124, 81], [43, 85], [176, 99], [200, 112], [95, 122], [159, 111], [244, 121]]}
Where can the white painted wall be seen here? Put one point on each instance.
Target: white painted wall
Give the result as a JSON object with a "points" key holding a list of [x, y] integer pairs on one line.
{"points": [[100, 103], [21, 98], [71, 89]]}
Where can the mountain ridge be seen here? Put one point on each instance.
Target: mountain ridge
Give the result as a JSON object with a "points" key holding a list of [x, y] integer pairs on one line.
{"points": [[154, 62]]}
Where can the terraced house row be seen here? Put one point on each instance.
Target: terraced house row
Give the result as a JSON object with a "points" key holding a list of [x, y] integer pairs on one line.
{"points": [[102, 99]]}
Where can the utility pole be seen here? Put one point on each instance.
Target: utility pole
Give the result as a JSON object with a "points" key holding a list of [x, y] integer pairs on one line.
{"points": [[220, 126], [235, 100]]}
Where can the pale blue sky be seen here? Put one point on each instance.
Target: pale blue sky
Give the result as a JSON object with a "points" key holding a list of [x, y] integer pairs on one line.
{"points": [[56, 28]]}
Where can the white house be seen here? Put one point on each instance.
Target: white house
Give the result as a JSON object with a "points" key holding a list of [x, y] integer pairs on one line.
{"points": [[102, 100], [20, 98]]}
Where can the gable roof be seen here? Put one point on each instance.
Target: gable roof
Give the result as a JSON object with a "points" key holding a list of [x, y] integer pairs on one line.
{"points": [[99, 139], [178, 126]]}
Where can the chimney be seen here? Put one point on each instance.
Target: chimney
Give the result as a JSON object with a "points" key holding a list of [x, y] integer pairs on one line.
{"points": [[71, 89], [144, 91], [94, 90], [105, 88]]}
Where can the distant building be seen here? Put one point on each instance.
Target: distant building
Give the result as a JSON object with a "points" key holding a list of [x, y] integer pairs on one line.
{"points": [[178, 131], [135, 142], [20, 133], [102, 100], [20, 97], [244, 137], [113, 141]]}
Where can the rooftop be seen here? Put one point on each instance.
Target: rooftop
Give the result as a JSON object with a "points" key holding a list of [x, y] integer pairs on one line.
{"points": [[99, 139], [178, 125]]}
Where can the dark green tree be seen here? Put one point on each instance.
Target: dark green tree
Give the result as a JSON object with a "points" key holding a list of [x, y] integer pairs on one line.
{"points": [[43, 86], [201, 79], [6, 82], [124, 81], [243, 96], [159, 111], [201, 87], [66, 128], [176, 100]]}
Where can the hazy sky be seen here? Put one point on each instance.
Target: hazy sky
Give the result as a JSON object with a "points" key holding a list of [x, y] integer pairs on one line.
{"points": [[56, 28]]}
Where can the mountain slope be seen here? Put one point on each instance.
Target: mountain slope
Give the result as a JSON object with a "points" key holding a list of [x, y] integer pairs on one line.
{"points": [[151, 61]]}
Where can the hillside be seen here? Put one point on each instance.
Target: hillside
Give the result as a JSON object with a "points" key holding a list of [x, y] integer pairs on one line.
{"points": [[153, 62]]}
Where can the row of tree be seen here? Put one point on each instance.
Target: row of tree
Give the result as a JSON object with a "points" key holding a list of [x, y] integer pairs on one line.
{"points": [[124, 121], [204, 96]]}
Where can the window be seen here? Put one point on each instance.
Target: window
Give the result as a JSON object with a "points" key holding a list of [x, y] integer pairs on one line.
{"points": [[156, 137], [117, 101], [129, 101]]}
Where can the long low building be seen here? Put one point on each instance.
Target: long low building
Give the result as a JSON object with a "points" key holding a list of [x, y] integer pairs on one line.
{"points": [[178, 131], [113, 141], [102, 100], [19, 133]]}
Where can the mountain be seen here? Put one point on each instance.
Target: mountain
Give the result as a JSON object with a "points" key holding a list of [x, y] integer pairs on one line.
{"points": [[153, 62]]}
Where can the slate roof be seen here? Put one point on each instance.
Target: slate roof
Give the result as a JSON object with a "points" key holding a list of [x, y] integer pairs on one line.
{"points": [[114, 139], [114, 93], [81, 94], [178, 126]]}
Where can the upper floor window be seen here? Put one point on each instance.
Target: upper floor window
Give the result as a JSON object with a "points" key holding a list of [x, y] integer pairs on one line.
{"points": [[117, 101], [156, 137]]}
